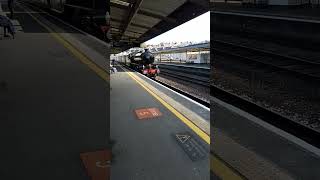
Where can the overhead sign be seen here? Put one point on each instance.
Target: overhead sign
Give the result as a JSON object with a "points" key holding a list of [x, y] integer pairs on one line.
{"points": [[148, 113]]}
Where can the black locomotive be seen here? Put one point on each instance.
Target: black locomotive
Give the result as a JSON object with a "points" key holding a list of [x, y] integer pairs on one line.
{"points": [[142, 61]]}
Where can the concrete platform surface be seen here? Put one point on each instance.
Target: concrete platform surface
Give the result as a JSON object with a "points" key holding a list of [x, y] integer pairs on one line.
{"points": [[52, 106], [148, 149], [258, 150]]}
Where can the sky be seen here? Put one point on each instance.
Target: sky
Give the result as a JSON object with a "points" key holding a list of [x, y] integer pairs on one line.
{"points": [[197, 29]]}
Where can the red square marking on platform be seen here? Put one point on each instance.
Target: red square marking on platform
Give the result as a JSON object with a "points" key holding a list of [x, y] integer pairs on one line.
{"points": [[97, 164], [148, 113]]}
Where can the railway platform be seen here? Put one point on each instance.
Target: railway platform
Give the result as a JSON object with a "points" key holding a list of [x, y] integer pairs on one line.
{"points": [[258, 150], [53, 98], [158, 133]]}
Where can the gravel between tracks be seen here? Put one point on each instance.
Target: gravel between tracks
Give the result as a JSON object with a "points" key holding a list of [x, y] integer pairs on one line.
{"points": [[297, 108], [308, 55], [197, 91], [291, 97]]}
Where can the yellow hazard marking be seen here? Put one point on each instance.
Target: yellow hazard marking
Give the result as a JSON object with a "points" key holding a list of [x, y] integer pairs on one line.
{"points": [[76, 52], [222, 170], [185, 120], [217, 166]]}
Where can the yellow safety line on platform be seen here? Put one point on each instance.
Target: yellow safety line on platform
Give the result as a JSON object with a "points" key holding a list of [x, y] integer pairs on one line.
{"points": [[189, 123], [220, 169], [77, 53], [217, 166]]}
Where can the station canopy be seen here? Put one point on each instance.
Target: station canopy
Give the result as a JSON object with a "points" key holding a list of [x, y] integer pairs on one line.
{"points": [[136, 21]]}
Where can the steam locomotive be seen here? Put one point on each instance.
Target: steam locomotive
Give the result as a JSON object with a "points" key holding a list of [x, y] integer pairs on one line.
{"points": [[141, 61]]}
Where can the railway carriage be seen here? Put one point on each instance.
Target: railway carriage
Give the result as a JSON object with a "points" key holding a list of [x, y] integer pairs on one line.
{"points": [[89, 15], [64, 5]]}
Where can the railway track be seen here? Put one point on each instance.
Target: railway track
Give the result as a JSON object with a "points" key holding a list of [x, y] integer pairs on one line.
{"points": [[175, 89], [296, 66], [192, 74], [302, 131], [295, 128]]}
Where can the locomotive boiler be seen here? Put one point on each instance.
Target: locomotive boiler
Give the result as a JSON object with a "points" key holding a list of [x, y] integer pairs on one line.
{"points": [[143, 62]]}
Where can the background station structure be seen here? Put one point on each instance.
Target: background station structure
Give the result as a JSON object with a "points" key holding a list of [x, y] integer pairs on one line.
{"points": [[134, 22]]}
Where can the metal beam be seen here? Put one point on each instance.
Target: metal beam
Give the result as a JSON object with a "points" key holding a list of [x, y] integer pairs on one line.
{"points": [[140, 26], [137, 25], [125, 38], [147, 13], [132, 13], [116, 27], [116, 20], [143, 12], [119, 37], [132, 24], [126, 8], [203, 3]]}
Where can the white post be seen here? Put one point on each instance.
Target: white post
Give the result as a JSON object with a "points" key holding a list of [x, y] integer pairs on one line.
{"points": [[199, 56], [186, 56]]}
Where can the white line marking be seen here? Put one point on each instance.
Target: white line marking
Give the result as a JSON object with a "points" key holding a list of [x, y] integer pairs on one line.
{"points": [[182, 138], [270, 127]]}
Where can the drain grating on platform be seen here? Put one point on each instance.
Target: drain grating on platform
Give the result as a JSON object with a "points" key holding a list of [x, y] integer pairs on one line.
{"points": [[148, 113], [191, 146], [97, 164]]}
